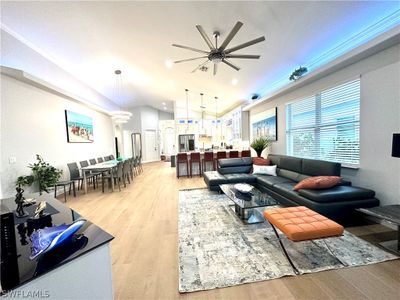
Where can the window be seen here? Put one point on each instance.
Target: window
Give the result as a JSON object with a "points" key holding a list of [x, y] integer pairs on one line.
{"points": [[326, 125]]}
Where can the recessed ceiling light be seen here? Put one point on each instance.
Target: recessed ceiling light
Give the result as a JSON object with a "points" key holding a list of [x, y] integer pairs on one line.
{"points": [[165, 108], [234, 81], [163, 103], [169, 63]]}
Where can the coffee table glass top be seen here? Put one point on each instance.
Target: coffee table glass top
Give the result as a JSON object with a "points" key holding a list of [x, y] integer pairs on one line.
{"points": [[252, 200]]}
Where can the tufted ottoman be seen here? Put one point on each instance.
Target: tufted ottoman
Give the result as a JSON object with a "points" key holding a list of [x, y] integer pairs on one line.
{"points": [[300, 223]]}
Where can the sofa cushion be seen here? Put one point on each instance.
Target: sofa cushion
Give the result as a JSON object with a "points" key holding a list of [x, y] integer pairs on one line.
{"points": [[239, 178], [214, 178], [286, 189], [268, 181], [235, 162], [337, 193], [290, 175], [237, 169], [290, 163], [318, 183], [274, 159], [314, 167]]}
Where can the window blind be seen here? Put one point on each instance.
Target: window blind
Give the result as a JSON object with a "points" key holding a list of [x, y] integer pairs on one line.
{"points": [[326, 125]]}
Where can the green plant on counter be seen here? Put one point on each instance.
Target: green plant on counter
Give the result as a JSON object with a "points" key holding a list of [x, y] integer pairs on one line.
{"points": [[259, 144], [43, 173]]}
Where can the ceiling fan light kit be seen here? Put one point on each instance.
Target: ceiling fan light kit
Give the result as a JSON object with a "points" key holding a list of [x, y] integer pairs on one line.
{"points": [[217, 54]]}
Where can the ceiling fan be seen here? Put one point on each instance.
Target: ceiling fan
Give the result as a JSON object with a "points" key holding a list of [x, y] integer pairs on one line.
{"points": [[218, 54]]}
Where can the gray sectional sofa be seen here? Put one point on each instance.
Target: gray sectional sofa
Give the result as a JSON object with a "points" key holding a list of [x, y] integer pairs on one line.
{"points": [[337, 203]]}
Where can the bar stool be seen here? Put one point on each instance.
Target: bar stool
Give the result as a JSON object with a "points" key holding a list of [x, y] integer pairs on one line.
{"points": [[208, 158], [220, 154], [195, 158], [246, 153], [182, 158], [233, 154]]}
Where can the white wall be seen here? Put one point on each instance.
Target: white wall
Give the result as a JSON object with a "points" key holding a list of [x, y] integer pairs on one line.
{"points": [[33, 122], [380, 118], [15, 54], [146, 118]]}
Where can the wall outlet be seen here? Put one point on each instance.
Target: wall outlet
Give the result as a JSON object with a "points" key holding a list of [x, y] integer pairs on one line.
{"points": [[12, 160]]}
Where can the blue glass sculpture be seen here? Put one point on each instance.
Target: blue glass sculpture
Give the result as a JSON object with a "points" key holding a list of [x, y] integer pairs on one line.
{"points": [[48, 238]]}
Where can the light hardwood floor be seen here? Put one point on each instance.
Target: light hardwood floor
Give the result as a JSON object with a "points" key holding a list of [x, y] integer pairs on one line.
{"points": [[143, 218]]}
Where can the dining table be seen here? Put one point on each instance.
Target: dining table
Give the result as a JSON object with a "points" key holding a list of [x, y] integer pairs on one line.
{"points": [[106, 166]]}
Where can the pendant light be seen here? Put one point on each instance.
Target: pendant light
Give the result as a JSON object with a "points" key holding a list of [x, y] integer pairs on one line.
{"points": [[202, 106], [119, 116], [187, 110]]}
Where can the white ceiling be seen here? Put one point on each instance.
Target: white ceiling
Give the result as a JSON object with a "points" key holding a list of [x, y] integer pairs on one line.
{"points": [[92, 39]]}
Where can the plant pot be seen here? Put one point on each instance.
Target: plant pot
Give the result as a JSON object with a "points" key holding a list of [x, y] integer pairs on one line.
{"points": [[259, 153]]}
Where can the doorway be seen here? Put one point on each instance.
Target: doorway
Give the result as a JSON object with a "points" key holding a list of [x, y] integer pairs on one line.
{"points": [[151, 149]]}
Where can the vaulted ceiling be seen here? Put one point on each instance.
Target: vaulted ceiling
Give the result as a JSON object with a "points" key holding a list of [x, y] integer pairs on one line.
{"points": [[92, 39]]}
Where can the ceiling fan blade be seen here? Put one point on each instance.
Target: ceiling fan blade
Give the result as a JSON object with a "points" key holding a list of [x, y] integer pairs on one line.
{"points": [[215, 69], [205, 37], [190, 48], [231, 35], [199, 66], [244, 45], [231, 65], [243, 56], [189, 59]]}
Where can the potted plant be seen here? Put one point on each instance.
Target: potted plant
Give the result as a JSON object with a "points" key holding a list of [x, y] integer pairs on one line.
{"points": [[43, 173], [259, 144]]}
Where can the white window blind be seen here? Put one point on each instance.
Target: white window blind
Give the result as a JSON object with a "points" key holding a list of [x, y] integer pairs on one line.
{"points": [[326, 125]]}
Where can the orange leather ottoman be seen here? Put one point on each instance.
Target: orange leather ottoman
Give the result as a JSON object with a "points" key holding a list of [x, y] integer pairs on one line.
{"points": [[300, 223]]}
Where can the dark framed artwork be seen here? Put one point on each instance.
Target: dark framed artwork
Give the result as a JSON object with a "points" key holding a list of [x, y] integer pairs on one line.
{"points": [[267, 125], [79, 127]]}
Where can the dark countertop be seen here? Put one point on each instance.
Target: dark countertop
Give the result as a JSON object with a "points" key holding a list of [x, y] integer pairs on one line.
{"points": [[16, 267]]}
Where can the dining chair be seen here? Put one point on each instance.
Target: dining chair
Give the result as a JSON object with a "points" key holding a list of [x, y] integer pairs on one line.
{"points": [[74, 174], [136, 166], [115, 174], [100, 160], [106, 158], [92, 161], [64, 184], [90, 176], [140, 163], [111, 157], [125, 172]]}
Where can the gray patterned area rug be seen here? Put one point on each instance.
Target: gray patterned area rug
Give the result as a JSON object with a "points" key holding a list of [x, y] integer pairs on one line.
{"points": [[217, 250]]}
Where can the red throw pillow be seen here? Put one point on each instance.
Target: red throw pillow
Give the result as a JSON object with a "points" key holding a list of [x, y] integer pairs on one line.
{"points": [[259, 161], [317, 183]]}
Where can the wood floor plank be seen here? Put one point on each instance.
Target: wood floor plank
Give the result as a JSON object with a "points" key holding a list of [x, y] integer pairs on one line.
{"points": [[143, 217]]}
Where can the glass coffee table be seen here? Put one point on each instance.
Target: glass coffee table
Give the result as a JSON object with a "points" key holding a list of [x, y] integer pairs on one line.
{"points": [[247, 206]]}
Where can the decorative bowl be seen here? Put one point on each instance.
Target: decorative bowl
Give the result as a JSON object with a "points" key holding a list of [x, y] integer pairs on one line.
{"points": [[243, 188]]}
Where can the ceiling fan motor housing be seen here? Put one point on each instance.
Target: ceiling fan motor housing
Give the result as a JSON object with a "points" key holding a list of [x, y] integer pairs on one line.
{"points": [[216, 56]]}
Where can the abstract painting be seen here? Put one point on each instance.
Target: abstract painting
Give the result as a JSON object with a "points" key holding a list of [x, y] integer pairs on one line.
{"points": [[267, 126], [79, 127]]}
